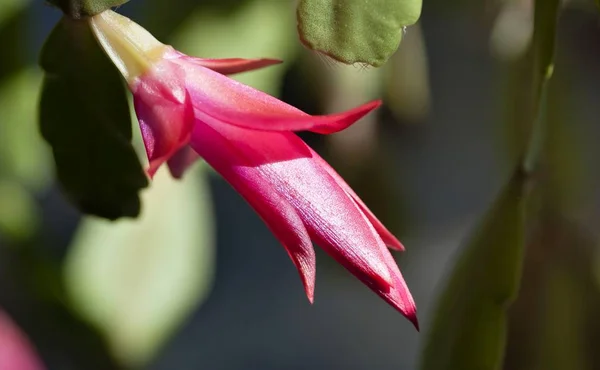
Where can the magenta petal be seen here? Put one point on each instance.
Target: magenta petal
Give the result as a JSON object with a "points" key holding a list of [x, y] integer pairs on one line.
{"points": [[224, 66], [269, 162], [277, 212], [234, 65], [399, 296], [165, 113], [388, 238], [285, 164], [234, 103], [181, 161], [15, 350]]}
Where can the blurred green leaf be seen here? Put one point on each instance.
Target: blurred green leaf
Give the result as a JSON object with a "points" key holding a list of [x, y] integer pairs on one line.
{"points": [[13, 21], [256, 29], [407, 79], [554, 323], [564, 317], [18, 214], [24, 166], [23, 156], [163, 19], [9, 8], [85, 8], [85, 117], [469, 327], [137, 280], [356, 31]]}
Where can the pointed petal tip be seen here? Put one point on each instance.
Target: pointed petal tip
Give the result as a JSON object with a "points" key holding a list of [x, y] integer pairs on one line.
{"points": [[409, 310], [234, 65], [395, 244], [414, 320], [371, 105], [339, 121], [308, 281], [311, 297], [151, 171], [270, 61]]}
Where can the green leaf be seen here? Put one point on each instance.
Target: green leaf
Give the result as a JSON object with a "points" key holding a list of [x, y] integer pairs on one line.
{"points": [[85, 117], [24, 166], [553, 323], [19, 213], [356, 31], [13, 21], [469, 327], [9, 8], [137, 280], [85, 8], [23, 155]]}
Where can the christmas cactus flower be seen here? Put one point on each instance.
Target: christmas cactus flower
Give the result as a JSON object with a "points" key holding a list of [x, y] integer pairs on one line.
{"points": [[15, 350], [187, 108]]}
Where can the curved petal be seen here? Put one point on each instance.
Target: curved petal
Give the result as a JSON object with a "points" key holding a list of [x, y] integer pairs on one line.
{"points": [[285, 164], [277, 212], [224, 66], [388, 238], [164, 112], [234, 65], [234, 103]]}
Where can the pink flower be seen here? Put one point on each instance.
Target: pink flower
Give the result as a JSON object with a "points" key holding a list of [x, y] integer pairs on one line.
{"points": [[188, 108], [15, 350]]}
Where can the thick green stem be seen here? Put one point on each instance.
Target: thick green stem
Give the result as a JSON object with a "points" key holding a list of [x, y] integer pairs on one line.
{"points": [[545, 19], [537, 134]]}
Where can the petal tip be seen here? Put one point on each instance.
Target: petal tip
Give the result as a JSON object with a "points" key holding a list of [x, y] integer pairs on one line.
{"points": [[309, 286], [311, 297], [271, 61], [151, 171], [339, 121], [412, 317], [396, 245], [408, 309]]}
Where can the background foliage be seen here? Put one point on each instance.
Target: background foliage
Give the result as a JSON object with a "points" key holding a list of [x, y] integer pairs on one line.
{"points": [[197, 281]]}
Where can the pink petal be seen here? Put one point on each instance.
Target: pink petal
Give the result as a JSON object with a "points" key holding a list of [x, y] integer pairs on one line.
{"points": [[181, 161], [224, 66], [231, 102], [399, 296], [388, 238], [164, 112], [234, 65], [277, 212], [16, 352], [282, 163]]}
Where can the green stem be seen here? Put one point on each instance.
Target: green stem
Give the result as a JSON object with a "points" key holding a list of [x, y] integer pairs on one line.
{"points": [[538, 133], [545, 19]]}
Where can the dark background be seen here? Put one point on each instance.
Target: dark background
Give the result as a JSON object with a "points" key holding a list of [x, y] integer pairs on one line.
{"points": [[429, 163]]}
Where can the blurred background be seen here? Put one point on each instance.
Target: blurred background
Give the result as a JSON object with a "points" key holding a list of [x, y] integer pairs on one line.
{"points": [[198, 281]]}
